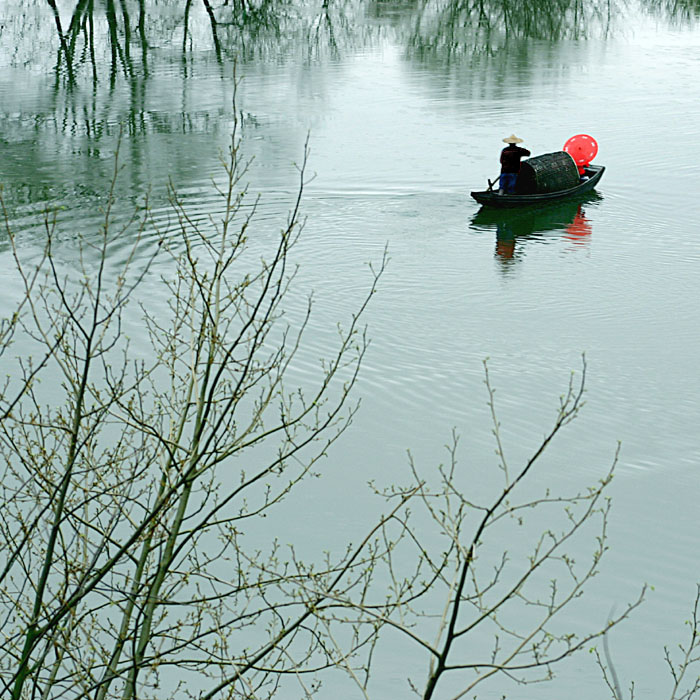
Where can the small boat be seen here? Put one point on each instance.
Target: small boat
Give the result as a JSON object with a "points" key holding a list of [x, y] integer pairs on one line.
{"points": [[593, 173]]}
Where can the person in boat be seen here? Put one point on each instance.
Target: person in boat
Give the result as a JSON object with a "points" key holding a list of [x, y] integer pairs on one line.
{"points": [[510, 164]]}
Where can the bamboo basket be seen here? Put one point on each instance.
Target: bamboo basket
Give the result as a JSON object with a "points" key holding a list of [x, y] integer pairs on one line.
{"points": [[550, 172]]}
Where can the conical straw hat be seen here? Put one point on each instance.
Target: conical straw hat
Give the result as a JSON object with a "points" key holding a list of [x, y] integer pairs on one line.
{"points": [[512, 139]]}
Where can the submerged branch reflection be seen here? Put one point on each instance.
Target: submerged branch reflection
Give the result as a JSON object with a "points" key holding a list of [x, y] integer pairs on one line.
{"points": [[677, 11], [447, 29], [99, 36], [160, 68]]}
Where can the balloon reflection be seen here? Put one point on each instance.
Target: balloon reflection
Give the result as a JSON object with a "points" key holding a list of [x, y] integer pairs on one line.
{"points": [[580, 228], [515, 227]]}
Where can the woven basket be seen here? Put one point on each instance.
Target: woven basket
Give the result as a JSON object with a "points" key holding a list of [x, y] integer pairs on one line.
{"points": [[549, 172]]}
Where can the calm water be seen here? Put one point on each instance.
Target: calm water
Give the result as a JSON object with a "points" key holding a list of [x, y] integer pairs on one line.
{"points": [[403, 122]]}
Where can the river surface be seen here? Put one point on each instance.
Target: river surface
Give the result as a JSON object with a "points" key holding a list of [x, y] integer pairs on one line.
{"points": [[401, 125]]}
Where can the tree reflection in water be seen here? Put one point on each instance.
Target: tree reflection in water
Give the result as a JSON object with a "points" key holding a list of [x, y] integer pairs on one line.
{"points": [[111, 37], [108, 38], [446, 29], [681, 11], [101, 51], [107, 58]]}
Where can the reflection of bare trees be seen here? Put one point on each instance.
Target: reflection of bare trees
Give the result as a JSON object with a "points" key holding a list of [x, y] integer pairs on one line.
{"points": [[109, 37], [101, 35], [676, 10], [80, 37], [119, 46], [448, 28]]}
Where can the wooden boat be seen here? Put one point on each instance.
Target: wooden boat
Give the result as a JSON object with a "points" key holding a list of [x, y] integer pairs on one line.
{"points": [[493, 199]]}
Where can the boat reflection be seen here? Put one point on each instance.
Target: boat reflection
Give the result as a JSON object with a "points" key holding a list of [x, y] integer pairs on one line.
{"points": [[515, 227]]}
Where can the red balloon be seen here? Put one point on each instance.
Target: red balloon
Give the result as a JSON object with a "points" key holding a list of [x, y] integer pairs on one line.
{"points": [[582, 148]]}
